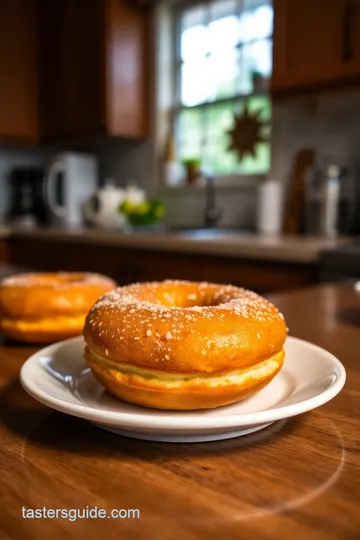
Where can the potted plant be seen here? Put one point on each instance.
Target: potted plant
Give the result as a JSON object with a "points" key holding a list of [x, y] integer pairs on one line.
{"points": [[260, 82], [192, 168]]}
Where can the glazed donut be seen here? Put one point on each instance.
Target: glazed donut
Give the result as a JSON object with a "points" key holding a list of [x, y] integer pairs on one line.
{"points": [[44, 307], [184, 345]]}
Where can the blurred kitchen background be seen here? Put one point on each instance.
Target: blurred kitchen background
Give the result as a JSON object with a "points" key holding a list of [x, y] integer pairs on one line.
{"points": [[152, 139]]}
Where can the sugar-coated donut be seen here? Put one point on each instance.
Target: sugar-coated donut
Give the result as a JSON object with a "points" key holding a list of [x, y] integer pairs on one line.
{"points": [[46, 307], [184, 345]]}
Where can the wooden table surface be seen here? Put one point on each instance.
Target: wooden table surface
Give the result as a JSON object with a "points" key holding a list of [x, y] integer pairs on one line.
{"points": [[297, 479]]}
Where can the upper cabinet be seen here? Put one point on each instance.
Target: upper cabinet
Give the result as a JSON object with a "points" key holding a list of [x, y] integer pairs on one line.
{"points": [[18, 71], [79, 68], [316, 44], [93, 69], [71, 69]]}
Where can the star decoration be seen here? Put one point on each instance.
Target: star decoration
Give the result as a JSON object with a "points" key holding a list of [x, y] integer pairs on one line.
{"points": [[246, 133]]}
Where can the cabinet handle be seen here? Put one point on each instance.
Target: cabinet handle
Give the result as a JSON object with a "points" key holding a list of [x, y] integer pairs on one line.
{"points": [[348, 31]]}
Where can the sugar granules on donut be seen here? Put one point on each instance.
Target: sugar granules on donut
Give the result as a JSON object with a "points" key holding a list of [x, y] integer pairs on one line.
{"points": [[238, 301]]}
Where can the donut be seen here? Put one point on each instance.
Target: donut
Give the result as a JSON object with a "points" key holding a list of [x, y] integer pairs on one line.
{"points": [[182, 345], [47, 307]]}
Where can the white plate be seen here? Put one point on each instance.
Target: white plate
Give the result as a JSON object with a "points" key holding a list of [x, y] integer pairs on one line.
{"points": [[58, 377]]}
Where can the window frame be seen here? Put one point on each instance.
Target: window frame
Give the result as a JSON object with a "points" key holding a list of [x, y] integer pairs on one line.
{"points": [[171, 12]]}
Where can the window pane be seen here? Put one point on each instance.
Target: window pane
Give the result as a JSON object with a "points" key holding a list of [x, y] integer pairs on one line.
{"points": [[219, 120], [194, 43], [261, 55], [219, 159], [260, 164], [190, 123], [225, 162], [210, 78], [195, 82], [193, 17], [203, 133], [189, 133], [189, 150], [245, 78], [260, 103], [223, 68], [224, 33], [256, 21], [223, 8], [256, 58]]}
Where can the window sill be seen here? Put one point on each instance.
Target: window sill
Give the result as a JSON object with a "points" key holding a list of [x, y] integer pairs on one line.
{"points": [[233, 183]]}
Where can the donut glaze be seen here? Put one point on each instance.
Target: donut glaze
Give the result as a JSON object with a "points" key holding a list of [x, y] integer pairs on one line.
{"points": [[45, 307], [184, 345]]}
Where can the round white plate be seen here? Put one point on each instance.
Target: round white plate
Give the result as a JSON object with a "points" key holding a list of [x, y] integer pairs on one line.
{"points": [[58, 377]]}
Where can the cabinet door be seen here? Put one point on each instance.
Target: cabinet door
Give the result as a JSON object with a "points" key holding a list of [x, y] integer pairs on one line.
{"points": [[127, 70], [72, 68], [316, 42], [18, 70], [92, 59]]}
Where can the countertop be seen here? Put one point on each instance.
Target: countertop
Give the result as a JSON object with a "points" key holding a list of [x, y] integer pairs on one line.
{"points": [[294, 480], [238, 245]]}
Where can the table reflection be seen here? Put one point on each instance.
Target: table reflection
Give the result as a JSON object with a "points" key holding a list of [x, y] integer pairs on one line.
{"points": [[235, 480]]}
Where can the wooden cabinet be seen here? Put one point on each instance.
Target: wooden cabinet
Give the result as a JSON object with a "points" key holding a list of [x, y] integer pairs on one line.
{"points": [[4, 255], [93, 69], [316, 43], [18, 71], [126, 265], [72, 69]]}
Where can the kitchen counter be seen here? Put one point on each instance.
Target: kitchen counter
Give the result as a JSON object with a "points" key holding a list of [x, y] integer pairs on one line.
{"points": [[264, 264], [296, 479], [237, 245]]}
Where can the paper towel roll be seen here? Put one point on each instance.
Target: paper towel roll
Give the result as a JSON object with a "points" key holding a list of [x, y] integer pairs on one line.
{"points": [[269, 207]]}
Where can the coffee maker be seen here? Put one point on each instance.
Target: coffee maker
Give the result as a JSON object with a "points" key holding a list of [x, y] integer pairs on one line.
{"points": [[26, 205]]}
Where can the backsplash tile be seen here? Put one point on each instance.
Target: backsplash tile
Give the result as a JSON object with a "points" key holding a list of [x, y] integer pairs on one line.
{"points": [[329, 123]]}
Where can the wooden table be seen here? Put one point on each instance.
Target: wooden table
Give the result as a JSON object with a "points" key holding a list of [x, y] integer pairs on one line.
{"points": [[296, 480]]}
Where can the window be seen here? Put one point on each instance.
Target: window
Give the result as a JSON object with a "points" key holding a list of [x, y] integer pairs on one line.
{"points": [[223, 61]]}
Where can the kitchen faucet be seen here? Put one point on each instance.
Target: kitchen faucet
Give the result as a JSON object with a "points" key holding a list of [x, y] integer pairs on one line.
{"points": [[212, 212]]}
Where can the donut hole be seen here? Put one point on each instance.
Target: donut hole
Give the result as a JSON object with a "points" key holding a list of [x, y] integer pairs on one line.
{"points": [[191, 300], [185, 297]]}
